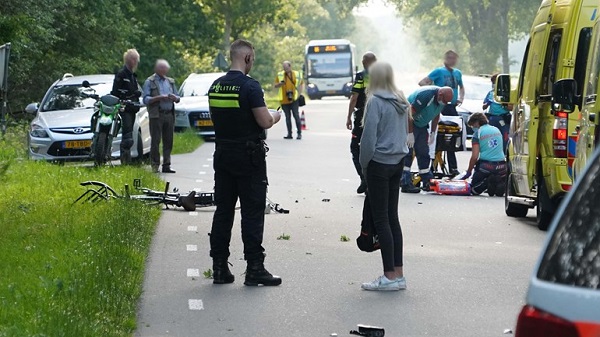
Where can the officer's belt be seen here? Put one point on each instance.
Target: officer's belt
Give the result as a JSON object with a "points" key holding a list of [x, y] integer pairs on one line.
{"points": [[232, 143]]}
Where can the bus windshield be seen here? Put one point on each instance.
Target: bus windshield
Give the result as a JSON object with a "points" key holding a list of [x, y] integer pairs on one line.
{"points": [[329, 65]]}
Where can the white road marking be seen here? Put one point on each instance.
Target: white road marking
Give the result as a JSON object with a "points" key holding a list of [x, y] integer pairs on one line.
{"points": [[192, 248], [202, 172], [195, 304], [191, 272], [346, 180], [192, 228], [193, 213], [209, 159], [206, 165], [199, 180], [197, 189]]}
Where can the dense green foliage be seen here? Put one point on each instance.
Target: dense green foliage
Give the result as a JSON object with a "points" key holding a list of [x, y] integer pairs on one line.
{"points": [[480, 30], [53, 37]]}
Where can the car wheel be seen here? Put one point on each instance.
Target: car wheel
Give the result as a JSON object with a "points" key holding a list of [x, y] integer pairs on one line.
{"points": [[511, 209], [139, 148], [544, 209]]}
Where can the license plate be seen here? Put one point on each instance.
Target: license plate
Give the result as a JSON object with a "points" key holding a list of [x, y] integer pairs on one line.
{"points": [[77, 144], [204, 123], [331, 91]]}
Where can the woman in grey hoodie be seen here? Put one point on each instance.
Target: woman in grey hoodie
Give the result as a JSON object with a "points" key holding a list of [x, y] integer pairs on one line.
{"points": [[382, 150]]}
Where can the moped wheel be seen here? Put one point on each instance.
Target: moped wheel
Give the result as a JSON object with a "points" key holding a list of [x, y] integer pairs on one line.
{"points": [[100, 149]]}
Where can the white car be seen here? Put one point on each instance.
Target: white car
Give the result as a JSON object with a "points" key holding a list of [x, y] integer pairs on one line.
{"points": [[564, 291], [61, 128], [476, 89], [192, 111]]}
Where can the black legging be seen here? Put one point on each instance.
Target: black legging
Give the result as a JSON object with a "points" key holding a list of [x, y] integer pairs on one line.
{"points": [[383, 183]]}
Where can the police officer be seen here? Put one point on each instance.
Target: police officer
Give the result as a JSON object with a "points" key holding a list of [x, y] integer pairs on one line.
{"points": [[426, 105], [125, 87], [240, 116], [356, 108]]}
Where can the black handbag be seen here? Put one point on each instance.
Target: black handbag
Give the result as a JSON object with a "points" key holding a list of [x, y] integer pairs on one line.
{"points": [[368, 240], [301, 98]]}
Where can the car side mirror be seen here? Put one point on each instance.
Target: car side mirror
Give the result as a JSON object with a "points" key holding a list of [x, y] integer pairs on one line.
{"points": [[31, 108], [85, 84], [503, 88], [564, 95]]}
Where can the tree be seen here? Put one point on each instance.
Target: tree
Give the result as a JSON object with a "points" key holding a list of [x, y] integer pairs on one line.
{"points": [[486, 25]]}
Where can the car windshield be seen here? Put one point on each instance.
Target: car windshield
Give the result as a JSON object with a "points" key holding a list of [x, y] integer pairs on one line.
{"points": [[196, 87], [476, 90], [573, 255], [329, 65], [68, 97]]}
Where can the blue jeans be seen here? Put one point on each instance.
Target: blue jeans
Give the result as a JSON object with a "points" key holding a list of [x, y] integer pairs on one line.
{"points": [[421, 150]]}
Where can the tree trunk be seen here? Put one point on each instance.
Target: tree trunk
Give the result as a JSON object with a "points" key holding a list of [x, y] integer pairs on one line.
{"points": [[227, 30], [504, 40]]}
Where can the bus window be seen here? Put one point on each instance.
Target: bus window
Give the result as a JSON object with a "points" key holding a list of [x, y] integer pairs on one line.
{"points": [[551, 62], [583, 50]]}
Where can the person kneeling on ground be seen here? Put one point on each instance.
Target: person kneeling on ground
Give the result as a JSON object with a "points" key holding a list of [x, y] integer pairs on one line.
{"points": [[487, 157]]}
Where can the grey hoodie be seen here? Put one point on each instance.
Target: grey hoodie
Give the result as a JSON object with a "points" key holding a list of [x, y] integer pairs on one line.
{"points": [[385, 130]]}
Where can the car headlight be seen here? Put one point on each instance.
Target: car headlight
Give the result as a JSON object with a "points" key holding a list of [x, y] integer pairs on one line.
{"points": [[180, 113], [38, 131], [312, 86]]}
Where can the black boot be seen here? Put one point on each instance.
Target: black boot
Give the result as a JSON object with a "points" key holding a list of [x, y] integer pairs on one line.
{"points": [[256, 275], [221, 273], [362, 188], [125, 157]]}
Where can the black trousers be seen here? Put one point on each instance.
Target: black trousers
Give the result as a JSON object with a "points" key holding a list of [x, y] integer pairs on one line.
{"points": [[355, 149], [489, 176], [241, 173], [292, 109], [450, 110], [383, 183], [127, 121]]}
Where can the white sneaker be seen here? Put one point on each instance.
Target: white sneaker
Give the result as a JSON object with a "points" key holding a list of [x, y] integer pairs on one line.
{"points": [[401, 283], [382, 283]]}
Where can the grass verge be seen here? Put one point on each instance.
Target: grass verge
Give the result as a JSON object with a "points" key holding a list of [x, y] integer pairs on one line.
{"points": [[186, 142], [69, 270]]}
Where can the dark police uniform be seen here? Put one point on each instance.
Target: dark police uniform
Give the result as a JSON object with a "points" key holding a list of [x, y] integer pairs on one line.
{"points": [[239, 164], [360, 85], [125, 87]]}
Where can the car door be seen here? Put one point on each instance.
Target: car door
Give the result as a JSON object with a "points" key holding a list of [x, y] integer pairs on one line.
{"points": [[526, 115], [588, 120]]}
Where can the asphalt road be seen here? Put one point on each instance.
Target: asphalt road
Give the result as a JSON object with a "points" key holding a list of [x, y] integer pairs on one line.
{"points": [[467, 265]]}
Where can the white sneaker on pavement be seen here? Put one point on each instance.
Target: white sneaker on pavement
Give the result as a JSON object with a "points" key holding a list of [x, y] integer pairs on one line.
{"points": [[401, 283], [382, 283]]}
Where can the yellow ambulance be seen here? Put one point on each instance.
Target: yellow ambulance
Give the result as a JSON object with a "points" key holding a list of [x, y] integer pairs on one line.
{"points": [[543, 138]]}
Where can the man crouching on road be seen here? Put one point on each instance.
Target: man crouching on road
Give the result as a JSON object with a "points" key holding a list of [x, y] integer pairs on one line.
{"points": [[426, 105], [240, 116]]}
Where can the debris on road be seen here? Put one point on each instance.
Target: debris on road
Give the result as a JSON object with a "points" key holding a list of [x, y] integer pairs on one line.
{"points": [[344, 238], [284, 236], [508, 332], [368, 331], [326, 200]]}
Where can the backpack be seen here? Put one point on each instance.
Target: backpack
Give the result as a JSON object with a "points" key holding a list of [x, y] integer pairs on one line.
{"points": [[368, 240]]}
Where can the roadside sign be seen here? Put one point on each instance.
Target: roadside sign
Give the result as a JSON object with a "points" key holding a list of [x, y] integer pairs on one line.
{"points": [[4, 58]]}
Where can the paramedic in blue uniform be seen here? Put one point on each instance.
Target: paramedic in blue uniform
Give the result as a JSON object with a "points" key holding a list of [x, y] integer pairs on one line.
{"points": [[487, 157], [357, 108], [426, 105], [499, 114], [240, 117], [449, 76]]}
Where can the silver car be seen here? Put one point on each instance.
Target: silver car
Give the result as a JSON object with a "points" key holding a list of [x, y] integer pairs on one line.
{"points": [[564, 292], [192, 111], [476, 89], [61, 130]]}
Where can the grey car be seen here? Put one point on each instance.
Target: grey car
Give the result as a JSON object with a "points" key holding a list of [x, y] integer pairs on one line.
{"points": [[61, 129], [476, 89], [564, 292], [192, 111]]}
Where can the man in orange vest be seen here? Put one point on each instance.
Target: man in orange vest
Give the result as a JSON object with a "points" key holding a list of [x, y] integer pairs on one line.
{"points": [[290, 85]]}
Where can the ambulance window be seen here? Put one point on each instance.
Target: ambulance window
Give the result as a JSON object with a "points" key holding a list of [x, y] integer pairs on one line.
{"points": [[551, 62], [594, 69], [573, 254], [523, 69], [583, 50]]}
